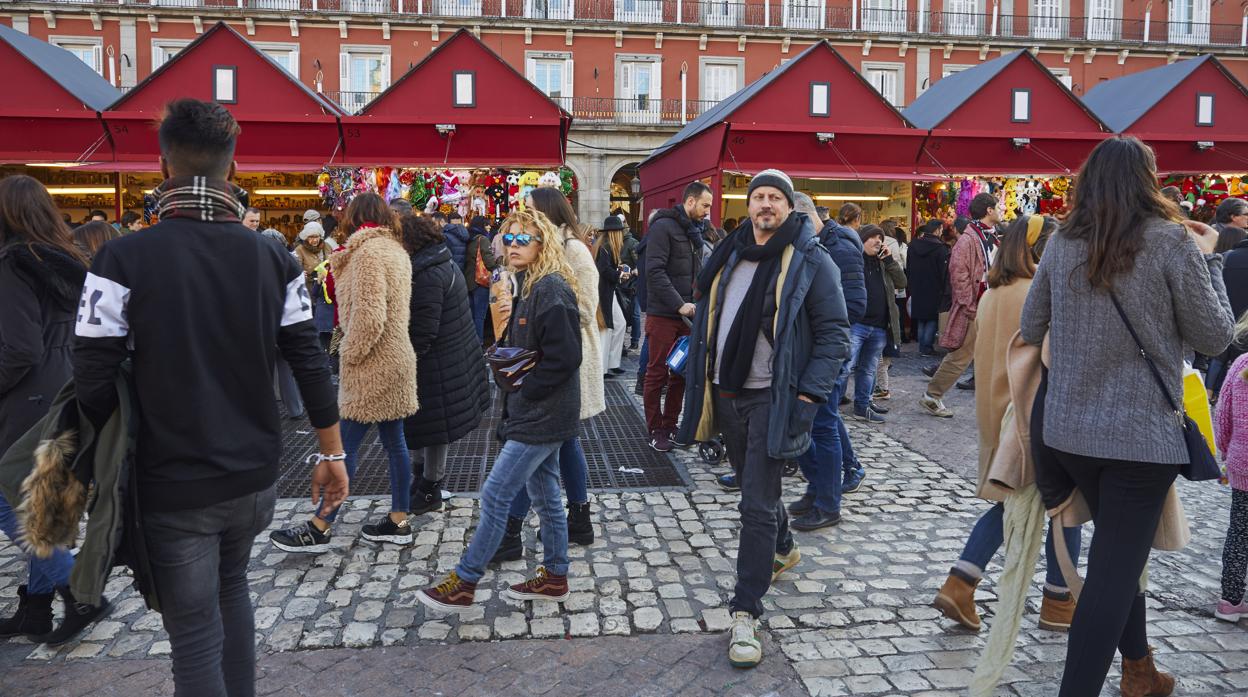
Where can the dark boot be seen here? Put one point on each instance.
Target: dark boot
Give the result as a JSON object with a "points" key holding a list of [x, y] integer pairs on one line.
{"points": [[426, 496], [78, 616], [580, 529], [33, 617], [512, 546]]}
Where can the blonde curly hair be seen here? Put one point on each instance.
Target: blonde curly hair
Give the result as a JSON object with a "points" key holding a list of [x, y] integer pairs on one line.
{"points": [[550, 257]]}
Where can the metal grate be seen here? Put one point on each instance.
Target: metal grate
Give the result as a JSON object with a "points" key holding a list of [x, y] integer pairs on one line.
{"points": [[616, 438]]}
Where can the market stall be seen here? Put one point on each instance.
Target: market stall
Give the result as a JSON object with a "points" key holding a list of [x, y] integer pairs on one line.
{"points": [[795, 119], [461, 107], [1193, 114], [489, 192]]}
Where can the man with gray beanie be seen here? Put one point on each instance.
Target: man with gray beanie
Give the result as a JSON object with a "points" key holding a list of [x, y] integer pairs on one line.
{"points": [[769, 336]]}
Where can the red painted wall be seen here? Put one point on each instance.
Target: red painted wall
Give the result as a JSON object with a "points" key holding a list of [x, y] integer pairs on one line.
{"points": [[1177, 110], [1052, 109]]}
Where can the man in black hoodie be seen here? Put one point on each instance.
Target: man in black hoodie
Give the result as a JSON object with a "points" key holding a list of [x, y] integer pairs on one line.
{"points": [[673, 259], [209, 436]]}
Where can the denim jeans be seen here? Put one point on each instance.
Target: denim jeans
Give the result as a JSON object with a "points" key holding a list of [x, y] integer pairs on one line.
{"points": [[520, 466], [573, 470], [989, 534], [391, 433], [634, 321], [199, 568], [764, 522], [479, 299], [823, 464], [643, 357], [866, 346], [926, 329], [849, 461], [45, 574]]}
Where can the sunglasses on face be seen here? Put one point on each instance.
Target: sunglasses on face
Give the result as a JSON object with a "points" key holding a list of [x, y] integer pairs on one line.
{"points": [[523, 239]]}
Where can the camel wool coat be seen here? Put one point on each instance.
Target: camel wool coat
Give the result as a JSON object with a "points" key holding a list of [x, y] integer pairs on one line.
{"points": [[1000, 311], [373, 285]]}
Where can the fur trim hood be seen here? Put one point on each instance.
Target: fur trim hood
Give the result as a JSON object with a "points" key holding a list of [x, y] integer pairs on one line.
{"points": [[59, 274]]}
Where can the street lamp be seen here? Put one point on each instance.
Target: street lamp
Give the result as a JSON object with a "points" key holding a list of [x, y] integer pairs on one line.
{"points": [[635, 186]]}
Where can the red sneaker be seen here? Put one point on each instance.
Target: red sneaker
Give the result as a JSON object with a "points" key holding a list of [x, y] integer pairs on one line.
{"points": [[543, 586], [452, 595]]}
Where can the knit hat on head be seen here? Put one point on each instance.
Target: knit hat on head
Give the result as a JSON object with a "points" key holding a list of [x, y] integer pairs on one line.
{"points": [[312, 228], [774, 178], [274, 235], [310, 215]]}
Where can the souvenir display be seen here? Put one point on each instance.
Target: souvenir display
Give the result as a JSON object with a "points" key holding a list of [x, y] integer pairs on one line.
{"points": [[1018, 195], [492, 193]]}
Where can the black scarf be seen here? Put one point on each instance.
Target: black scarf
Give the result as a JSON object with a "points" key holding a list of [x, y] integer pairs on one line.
{"points": [[755, 312]]}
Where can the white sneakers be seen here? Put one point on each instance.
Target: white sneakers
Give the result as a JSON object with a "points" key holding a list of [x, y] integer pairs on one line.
{"points": [[935, 407], [745, 650]]}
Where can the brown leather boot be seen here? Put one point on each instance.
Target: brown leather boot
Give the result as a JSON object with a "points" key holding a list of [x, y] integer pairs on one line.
{"points": [[957, 600], [1140, 678], [1056, 611]]}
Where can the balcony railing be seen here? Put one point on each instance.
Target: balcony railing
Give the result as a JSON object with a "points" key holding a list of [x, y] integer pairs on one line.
{"points": [[640, 110], [809, 15], [351, 102]]}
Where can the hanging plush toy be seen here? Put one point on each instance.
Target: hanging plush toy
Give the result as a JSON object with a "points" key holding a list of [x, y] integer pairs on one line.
{"points": [[394, 190], [965, 193], [528, 182], [549, 179], [513, 191], [1031, 197], [567, 181], [478, 205], [448, 188]]}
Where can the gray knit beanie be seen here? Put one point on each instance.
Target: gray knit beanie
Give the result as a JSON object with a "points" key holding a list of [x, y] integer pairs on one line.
{"points": [[774, 178]]}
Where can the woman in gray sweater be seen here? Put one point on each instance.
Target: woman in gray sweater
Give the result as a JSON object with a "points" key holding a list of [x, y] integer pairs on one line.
{"points": [[1111, 427]]}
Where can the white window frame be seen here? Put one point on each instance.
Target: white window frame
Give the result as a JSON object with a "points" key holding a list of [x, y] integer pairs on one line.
{"points": [[532, 58], [1203, 98], [887, 16], [77, 43], [1020, 105], [953, 68], [899, 87], [1103, 28], [820, 99], [464, 89], [455, 8], [723, 13], [1193, 30], [1063, 76], [967, 21], [225, 84], [1049, 26], [161, 47], [293, 49], [634, 112], [345, 53], [640, 11], [707, 61], [553, 9], [801, 14]]}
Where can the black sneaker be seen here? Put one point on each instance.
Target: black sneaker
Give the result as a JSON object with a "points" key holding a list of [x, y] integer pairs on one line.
{"points": [[304, 539], [728, 482], [388, 531], [879, 408], [676, 442], [815, 519], [802, 506], [78, 616], [967, 384], [660, 442], [930, 371]]}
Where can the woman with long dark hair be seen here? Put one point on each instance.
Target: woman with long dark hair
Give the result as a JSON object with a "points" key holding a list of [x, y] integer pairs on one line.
{"points": [[1124, 257], [91, 236], [377, 384], [573, 468], [608, 249], [41, 276], [450, 371]]}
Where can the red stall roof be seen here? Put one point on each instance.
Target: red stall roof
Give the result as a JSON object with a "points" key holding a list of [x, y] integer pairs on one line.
{"points": [[461, 106], [814, 116], [49, 107], [284, 124], [1192, 112], [1009, 115]]}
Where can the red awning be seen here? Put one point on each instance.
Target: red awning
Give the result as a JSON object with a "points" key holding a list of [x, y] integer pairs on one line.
{"points": [[963, 152]]}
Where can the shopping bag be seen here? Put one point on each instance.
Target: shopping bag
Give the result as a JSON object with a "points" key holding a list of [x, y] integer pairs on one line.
{"points": [[1196, 404], [678, 355]]}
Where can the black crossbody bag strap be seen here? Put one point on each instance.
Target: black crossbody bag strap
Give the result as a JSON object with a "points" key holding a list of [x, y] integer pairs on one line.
{"points": [[1147, 359]]}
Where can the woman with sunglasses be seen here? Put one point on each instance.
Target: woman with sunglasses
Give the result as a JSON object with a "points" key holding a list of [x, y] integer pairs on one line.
{"points": [[554, 207], [536, 420]]}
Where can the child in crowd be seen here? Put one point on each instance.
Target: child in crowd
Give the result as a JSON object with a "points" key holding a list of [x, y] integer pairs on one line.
{"points": [[1231, 429]]}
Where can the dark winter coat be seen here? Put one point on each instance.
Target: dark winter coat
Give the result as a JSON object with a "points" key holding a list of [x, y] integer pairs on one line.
{"points": [[927, 268], [1235, 276], [892, 278], [811, 343], [608, 284], [547, 408], [673, 261], [639, 285], [451, 375], [457, 241], [845, 247], [39, 291]]}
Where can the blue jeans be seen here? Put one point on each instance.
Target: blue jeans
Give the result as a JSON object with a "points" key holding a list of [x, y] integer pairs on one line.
{"points": [[574, 471], [866, 347], [45, 574], [926, 329], [823, 465], [391, 433], [635, 322], [849, 461], [519, 466], [989, 534], [643, 358], [479, 299]]}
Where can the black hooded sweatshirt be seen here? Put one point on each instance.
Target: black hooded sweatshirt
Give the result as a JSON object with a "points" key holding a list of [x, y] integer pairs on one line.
{"points": [[673, 260]]}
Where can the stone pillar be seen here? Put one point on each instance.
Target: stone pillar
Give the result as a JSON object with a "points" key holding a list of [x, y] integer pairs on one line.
{"points": [[128, 69], [598, 203]]}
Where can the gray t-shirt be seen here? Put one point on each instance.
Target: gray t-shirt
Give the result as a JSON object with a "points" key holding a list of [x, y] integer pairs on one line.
{"points": [[733, 296]]}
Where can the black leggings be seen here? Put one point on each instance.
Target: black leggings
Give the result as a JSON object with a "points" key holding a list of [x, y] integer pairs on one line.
{"points": [[1125, 499], [1235, 550]]}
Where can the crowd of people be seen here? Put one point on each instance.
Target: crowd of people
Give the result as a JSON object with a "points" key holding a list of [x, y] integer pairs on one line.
{"points": [[393, 320]]}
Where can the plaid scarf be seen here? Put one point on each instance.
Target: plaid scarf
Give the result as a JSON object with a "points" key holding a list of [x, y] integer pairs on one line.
{"points": [[200, 198]]}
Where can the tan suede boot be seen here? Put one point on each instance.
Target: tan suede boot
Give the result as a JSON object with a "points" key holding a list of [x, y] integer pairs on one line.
{"points": [[957, 600], [1057, 611], [1140, 678]]}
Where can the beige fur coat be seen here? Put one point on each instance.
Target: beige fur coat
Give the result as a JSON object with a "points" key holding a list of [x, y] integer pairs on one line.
{"points": [[373, 285], [593, 398]]}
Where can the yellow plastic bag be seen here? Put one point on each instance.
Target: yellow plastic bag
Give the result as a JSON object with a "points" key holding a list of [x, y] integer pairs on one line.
{"points": [[1196, 404]]}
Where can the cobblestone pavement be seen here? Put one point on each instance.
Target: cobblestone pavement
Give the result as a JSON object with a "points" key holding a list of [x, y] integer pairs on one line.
{"points": [[852, 618]]}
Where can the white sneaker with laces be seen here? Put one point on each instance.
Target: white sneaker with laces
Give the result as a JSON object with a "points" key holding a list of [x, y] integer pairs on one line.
{"points": [[745, 650], [935, 407]]}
